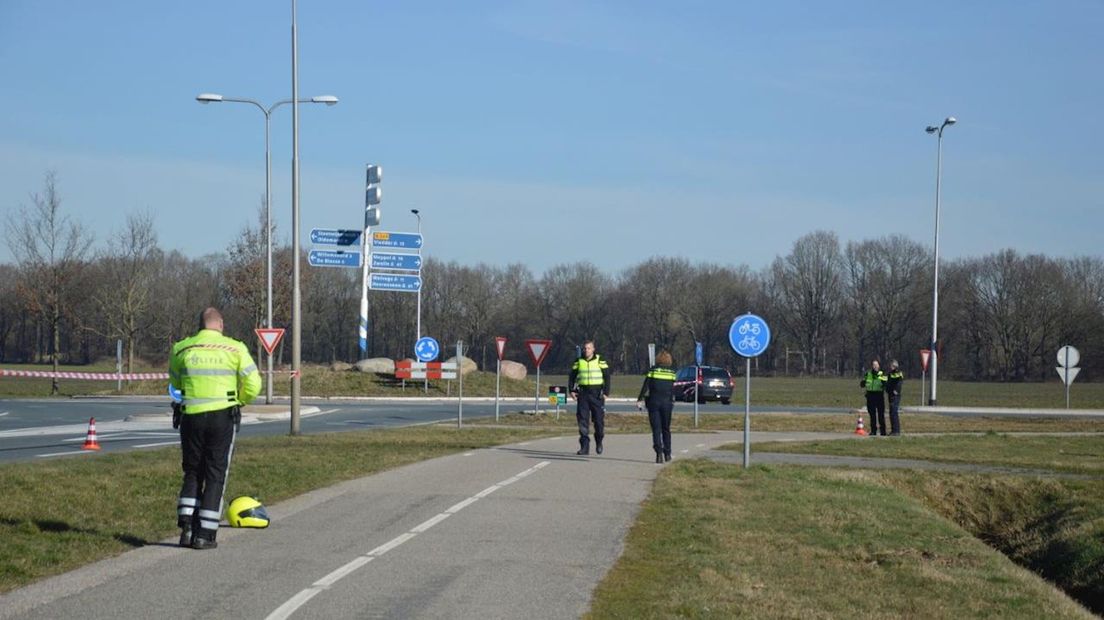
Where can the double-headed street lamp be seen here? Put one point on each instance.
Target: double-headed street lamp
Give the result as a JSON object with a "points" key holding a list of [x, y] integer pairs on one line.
{"points": [[950, 120], [214, 98]]}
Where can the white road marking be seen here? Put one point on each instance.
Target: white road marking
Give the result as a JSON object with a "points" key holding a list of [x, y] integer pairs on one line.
{"points": [[3, 414], [284, 611], [154, 445], [42, 456], [700, 445], [430, 523], [525, 443], [684, 451], [468, 453]]}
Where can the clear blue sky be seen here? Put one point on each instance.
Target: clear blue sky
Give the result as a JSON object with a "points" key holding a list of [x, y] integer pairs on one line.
{"points": [[542, 132]]}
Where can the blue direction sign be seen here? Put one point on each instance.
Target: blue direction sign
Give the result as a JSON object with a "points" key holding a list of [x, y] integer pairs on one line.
{"points": [[409, 241], [749, 335], [426, 349], [394, 282], [330, 236], [697, 353], [402, 262], [334, 258]]}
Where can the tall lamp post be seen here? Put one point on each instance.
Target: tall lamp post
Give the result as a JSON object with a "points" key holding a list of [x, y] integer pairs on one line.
{"points": [[206, 98], [950, 120]]}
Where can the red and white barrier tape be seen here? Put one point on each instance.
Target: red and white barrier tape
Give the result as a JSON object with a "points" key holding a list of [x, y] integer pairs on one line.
{"points": [[105, 376], [87, 376]]}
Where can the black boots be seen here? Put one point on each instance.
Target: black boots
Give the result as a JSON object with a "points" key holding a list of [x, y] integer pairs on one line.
{"points": [[598, 448], [202, 543], [667, 456], [185, 538], [659, 457]]}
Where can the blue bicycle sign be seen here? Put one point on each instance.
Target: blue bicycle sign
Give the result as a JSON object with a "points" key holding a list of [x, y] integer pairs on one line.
{"points": [[426, 349], [749, 335]]}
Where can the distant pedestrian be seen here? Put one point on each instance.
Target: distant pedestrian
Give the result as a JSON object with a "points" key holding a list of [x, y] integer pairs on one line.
{"points": [[874, 382], [589, 384], [894, 382], [659, 394], [215, 375]]}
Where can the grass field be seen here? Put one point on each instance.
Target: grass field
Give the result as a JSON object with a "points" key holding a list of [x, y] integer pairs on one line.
{"points": [[784, 391], [718, 541], [1075, 454], [818, 422], [127, 500]]}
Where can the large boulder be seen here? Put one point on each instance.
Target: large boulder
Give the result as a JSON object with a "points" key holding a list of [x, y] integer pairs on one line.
{"points": [[340, 366], [379, 365], [467, 364], [513, 370]]}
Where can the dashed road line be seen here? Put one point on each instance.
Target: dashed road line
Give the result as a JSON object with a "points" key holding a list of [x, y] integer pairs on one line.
{"points": [[294, 603]]}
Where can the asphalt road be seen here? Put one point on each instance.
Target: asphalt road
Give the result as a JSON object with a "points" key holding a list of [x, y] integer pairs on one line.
{"points": [[32, 429], [521, 531]]}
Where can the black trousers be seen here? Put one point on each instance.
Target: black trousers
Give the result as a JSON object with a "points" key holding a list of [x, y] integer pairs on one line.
{"points": [[894, 413], [875, 404], [590, 405], [659, 417], [206, 445]]}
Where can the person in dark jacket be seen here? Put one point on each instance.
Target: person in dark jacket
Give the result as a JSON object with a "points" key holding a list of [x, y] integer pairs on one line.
{"points": [[893, 384], [874, 382], [589, 385], [659, 394]]}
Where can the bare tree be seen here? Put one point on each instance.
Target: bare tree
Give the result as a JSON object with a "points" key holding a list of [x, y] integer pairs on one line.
{"points": [[50, 249], [129, 267], [806, 285]]}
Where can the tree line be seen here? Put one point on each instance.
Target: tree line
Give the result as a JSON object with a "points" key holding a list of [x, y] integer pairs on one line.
{"points": [[832, 306]]}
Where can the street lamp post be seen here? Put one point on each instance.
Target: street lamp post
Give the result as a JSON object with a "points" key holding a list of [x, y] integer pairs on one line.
{"points": [[950, 120], [206, 98]]}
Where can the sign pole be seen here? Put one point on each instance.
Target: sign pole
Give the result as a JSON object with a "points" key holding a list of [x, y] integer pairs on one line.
{"points": [[1067, 365], [923, 385], [119, 369], [498, 381], [536, 397], [697, 376], [460, 372], [747, 414]]}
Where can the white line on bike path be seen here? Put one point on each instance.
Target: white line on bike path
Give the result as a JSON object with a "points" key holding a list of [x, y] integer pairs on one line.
{"points": [[287, 609]]}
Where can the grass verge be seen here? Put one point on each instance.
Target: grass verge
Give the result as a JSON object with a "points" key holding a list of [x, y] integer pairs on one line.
{"points": [[818, 422], [1076, 454], [718, 541], [58, 515]]}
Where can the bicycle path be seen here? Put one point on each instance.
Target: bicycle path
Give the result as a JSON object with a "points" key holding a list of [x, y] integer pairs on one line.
{"points": [[519, 531]]}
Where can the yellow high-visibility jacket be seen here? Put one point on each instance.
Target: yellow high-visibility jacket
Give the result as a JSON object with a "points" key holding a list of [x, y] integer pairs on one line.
{"points": [[214, 372]]}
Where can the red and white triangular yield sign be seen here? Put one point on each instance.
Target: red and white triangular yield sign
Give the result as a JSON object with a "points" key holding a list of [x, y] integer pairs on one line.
{"points": [[538, 349], [925, 355], [270, 337], [500, 342]]}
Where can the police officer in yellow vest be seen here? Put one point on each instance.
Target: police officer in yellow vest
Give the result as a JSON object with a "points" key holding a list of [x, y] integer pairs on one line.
{"points": [[659, 394], [589, 384], [216, 375], [874, 382]]}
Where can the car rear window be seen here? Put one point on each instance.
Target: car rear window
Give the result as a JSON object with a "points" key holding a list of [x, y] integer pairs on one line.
{"points": [[714, 373]]}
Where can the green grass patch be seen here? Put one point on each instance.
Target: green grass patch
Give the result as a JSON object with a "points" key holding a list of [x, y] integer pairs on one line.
{"points": [[1083, 454], [718, 541], [812, 422], [834, 392], [58, 515], [785, 391]]}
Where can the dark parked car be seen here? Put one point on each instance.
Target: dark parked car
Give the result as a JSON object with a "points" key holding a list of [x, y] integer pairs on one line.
{"points": [[713, 384]]}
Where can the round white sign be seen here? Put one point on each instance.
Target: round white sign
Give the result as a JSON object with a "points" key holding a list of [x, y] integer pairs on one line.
{"points": [[1071, 361]]}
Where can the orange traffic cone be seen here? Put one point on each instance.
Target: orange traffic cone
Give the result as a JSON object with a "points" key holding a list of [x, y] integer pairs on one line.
{"points": [[90, 442], [859, 428]]}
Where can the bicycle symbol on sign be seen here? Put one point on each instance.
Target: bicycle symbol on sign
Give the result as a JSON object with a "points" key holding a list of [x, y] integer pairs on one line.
{"points": [[749, 343], [748, 326]]}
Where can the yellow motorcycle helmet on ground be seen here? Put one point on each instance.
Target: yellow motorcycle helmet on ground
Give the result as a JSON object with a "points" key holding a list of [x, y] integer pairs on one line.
{"points": [[247, 511]]}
